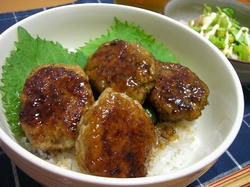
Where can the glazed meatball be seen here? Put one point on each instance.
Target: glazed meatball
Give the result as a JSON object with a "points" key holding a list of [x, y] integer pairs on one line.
{"points": [[125, 67], [54, 98], [115, 137], [178, 93]]}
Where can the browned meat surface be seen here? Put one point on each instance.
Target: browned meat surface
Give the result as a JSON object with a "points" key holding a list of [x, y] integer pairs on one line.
{"points": [[178, 93], [54, 98], [125, 67], [115, 137]]}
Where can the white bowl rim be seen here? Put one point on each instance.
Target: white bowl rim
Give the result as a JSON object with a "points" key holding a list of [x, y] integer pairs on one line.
{"points": [[31, 158]]}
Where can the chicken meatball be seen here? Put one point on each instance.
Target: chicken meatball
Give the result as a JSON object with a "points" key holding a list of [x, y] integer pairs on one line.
{"points": [[125, 67], [54, 98], [115, 137], [178, 93]]}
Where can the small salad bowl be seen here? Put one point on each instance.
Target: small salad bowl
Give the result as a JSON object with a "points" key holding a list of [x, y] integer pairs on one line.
{"points": [[189, 10]]}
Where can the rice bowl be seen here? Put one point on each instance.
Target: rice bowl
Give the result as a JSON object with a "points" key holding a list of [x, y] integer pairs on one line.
{"points": [[215, 70]]}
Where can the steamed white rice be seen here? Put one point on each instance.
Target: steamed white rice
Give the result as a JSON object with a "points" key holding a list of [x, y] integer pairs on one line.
{"points": [[175, 154], [170, 157]]}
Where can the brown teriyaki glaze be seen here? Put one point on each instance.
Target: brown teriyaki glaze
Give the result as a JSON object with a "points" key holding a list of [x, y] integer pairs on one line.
{"points": [[126, 67], [115, 137], [178, 93], [54, 98]]}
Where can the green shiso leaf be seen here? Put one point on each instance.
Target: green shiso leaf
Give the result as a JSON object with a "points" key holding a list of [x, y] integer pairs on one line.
{"points": [[29, 53], [131, 33]]}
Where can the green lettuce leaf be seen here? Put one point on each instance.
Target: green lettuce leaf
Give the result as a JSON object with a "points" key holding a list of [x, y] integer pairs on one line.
{"points": [[242, 52], [207, 9], [228, 11], [218, 41]]}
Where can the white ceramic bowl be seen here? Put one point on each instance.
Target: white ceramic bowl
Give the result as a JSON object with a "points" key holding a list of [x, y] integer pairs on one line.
{"points": [[190, 9], [73, 25]]}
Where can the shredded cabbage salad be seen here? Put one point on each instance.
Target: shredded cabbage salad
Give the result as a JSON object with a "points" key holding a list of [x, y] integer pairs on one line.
{"points": [[224, 31]]}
